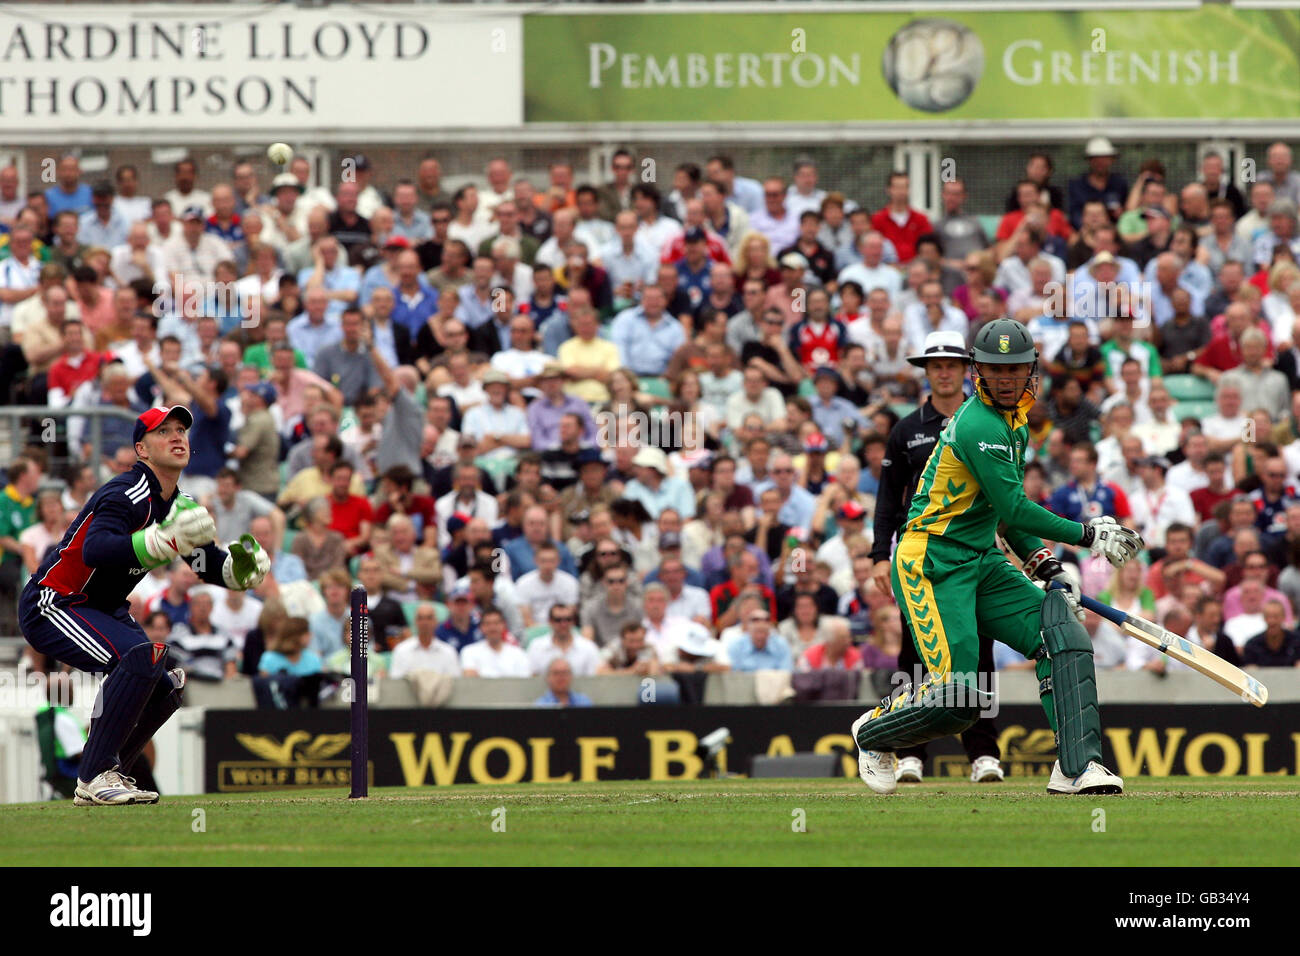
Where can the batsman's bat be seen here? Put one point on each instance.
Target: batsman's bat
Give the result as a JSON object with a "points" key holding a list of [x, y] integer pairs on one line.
{"points": [[1180, 649]]}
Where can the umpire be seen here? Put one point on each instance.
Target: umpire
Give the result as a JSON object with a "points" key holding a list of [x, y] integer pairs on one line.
{"points": [[945, 359]]}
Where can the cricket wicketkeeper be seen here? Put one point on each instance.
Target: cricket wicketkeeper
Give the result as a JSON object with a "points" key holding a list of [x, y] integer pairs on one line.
{"points": [[953, 583], [74, 608]]}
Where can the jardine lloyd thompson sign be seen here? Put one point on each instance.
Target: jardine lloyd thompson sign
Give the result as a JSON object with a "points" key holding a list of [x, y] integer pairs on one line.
{"points": [[185, 67]]}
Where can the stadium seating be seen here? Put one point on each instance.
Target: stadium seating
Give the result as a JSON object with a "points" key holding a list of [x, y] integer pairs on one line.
{"points": [[658, 387], [1194, 409], [1189, 388]]}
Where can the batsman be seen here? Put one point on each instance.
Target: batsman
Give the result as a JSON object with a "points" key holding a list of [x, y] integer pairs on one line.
{"points": [[953, 583], [74, 608]]}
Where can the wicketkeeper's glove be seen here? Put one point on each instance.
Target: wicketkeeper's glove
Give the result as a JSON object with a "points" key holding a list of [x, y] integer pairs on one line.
{"points": [[1107, 537], [187, 526], [246, 565]]}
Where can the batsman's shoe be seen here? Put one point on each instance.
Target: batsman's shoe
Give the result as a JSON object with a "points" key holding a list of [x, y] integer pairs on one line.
{"points": [[875, 767], [910, 770], [986, 769], [1094, 779], [141, 795], [109, 789]]}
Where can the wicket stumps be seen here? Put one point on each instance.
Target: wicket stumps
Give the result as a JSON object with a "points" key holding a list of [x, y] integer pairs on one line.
{"points": [[360, 641]]}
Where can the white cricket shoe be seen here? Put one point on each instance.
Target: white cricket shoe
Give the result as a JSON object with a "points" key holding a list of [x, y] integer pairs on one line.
{"points": [[141, 795], [986, 769], [910, 770], [109, 789], [1094, 779], [875, 767]]}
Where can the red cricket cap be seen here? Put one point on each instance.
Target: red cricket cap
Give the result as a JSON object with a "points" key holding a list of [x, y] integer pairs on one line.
{"points": [[154, 417]]}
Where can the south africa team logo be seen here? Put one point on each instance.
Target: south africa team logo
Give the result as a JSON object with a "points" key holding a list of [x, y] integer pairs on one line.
{"points": [[1004, 343]]}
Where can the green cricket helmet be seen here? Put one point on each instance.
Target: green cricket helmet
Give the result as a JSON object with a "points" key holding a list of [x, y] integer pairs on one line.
{"points": [[1005, 342]]}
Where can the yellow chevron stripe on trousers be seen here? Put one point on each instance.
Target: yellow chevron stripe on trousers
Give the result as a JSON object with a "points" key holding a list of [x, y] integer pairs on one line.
{"points": [[919, 604]]}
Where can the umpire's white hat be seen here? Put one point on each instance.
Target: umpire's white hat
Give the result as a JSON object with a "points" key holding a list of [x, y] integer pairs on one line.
{"points": [[942, 344]]}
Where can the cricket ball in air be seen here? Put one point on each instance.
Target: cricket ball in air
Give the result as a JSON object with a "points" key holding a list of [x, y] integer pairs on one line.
{"points": [[279, 153]]}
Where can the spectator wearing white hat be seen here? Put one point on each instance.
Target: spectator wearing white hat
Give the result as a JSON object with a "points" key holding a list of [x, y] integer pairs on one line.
{"points": [[501, 429], [1099, 183], [278, 216], [655, 490], [693, 649]]}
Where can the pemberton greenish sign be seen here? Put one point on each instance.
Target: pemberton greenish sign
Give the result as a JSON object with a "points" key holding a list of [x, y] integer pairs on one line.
{"points": [[1212, 63]]}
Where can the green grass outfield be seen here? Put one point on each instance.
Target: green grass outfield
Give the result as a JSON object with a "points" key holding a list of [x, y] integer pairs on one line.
{"points": [[1178, 821]]}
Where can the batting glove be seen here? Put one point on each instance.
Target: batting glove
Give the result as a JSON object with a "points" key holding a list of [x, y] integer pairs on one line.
{"points": [[187, 526], [1107, 537], [246, 565], [1045, 567]]}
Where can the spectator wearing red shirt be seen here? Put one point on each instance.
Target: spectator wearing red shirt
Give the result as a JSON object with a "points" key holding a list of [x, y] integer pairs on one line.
{"points": [[350, 515], [744, 574], [1028, 194], [1223, 353], [74, 367], [675, 249], [1206, 499], [835, 653], [898, 222], [816, 339], [395, 489], [1179, 566]]}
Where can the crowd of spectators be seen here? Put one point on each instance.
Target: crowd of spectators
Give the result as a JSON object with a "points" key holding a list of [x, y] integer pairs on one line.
{"points": [[559, 429]]}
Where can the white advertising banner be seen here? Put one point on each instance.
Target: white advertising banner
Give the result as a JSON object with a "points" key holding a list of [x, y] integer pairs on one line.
{"points": [[188, 69]]}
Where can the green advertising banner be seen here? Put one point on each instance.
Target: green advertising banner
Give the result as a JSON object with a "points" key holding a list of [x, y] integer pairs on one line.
{"points": [[1206, 64]]}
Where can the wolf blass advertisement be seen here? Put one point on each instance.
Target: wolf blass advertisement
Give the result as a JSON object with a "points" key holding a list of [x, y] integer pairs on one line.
{"points": [[258, 750]]}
